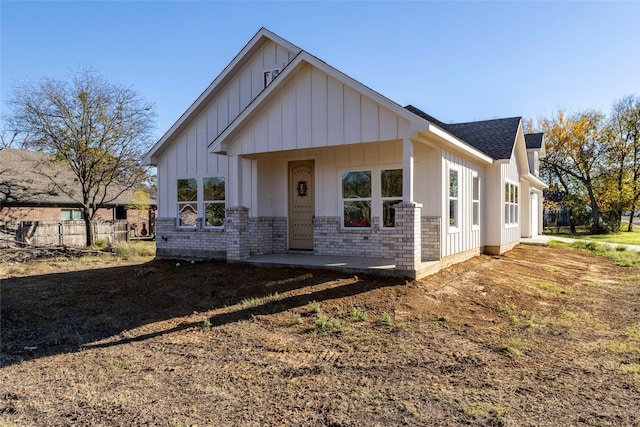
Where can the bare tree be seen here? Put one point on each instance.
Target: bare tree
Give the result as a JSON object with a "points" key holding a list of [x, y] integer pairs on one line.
{"points": [[97, 129]]}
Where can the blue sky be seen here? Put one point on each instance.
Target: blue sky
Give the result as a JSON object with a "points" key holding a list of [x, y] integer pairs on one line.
{"points": [[459, 61]]}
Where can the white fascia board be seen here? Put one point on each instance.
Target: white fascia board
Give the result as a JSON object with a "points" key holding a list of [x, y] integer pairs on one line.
{"points": [[149, 158], [537, 183], [459, 144]]}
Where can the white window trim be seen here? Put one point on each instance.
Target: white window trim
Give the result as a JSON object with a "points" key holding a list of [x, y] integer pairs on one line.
{"points": [[196, 202], [356, 199], [475, 178], [514, 207], [209, 202], [376, 195], [455, 228], [384, 199], [270, 75]]}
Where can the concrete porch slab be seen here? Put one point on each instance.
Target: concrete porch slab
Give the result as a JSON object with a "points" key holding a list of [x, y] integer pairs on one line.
{"points": [[351, 265]]}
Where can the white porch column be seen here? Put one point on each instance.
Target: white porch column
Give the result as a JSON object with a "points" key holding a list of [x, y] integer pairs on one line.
{"points": [[234, 182], [407, 170]]}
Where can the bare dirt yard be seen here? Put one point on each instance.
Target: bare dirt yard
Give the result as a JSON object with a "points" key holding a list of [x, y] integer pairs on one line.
{"points": [[537, 337]]}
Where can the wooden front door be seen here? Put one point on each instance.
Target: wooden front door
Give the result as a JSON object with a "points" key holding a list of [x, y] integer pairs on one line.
{"points": [[301, 204]]}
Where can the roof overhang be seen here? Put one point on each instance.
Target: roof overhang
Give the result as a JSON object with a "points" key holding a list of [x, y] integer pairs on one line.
{"points": [[456, 143], [535, 181]]}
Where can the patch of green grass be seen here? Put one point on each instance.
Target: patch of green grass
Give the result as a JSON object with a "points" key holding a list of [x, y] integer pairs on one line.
{"points": [[359, 315], [135, 250], [297, 318], [316, 307], [206, 323], [622, 237], [507, 307], [101, 244], [622, 257], [386, 319], [325, 323], [568, 315], [515, 319], [513, 347], [484, 410], [552, 288]]}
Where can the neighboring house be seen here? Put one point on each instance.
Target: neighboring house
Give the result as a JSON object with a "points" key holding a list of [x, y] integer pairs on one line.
{"points": [[28, 193], [283, 153]]}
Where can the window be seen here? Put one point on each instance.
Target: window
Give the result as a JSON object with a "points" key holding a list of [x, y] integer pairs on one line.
{"points": [[356, 198], [475, 202], [510, 203], [187, 202], [214, 202], [453, 198], [391, 194], [270, 76], [71, 215]]}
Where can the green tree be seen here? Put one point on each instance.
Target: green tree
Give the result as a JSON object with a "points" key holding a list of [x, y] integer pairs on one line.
{"points": [[96, 129], [623, 157], [574, 148]]}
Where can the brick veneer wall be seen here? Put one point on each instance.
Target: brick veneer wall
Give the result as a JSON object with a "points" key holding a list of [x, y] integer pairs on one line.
{"points": [[431, 238], [187, 243], [329, 238], [408, 236], [268, 235]]}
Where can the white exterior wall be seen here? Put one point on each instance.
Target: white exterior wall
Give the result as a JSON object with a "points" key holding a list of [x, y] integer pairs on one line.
{"points": [[315, 110], [188, 156], [330, 162], [428, 187], [510, 234], [464, 236]]}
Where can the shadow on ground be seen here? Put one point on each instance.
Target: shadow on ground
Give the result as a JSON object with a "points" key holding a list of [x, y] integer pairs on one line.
{"points": [[65, 312]]}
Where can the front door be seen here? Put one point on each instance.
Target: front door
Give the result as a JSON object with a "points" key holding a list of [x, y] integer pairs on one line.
{"points": [[301, 204]]}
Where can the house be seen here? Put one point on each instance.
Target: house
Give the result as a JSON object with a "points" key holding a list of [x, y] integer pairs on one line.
{"points": [[284, 154], [28, 194]]}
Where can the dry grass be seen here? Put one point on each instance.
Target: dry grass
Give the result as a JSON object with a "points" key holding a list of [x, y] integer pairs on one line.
{"points": [[511, 340]]}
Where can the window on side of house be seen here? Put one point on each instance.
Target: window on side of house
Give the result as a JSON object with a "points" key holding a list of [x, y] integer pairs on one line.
{"points": [[71, 215], [356, 198], [453, 198], [214, 201], [475, 202], [510, 204], [391, 194], [187, 202], [270, 76]]}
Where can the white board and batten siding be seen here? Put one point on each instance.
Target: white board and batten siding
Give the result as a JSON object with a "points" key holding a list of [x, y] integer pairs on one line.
{"points": [[187, 156], [465, 236], [509, 174], [316, 110]]}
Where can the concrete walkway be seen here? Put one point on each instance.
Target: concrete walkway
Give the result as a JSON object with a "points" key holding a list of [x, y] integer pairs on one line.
{"points": [[544, 240]]}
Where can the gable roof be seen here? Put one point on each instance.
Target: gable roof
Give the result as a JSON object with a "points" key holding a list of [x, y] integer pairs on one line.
{"points": [[300, 57], [533, 140], [256, 41], [495, 138], [26, 177]]}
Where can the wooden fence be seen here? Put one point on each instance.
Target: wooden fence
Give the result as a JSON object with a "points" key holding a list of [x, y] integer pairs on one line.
{"points": [[61, 233]]}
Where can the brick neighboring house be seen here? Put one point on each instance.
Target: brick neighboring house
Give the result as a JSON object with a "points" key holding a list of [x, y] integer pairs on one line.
{"points": [[27, 193]]}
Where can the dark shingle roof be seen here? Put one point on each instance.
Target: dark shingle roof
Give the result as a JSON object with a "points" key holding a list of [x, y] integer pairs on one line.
{"points": [[493, 137], [533, 141]]}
